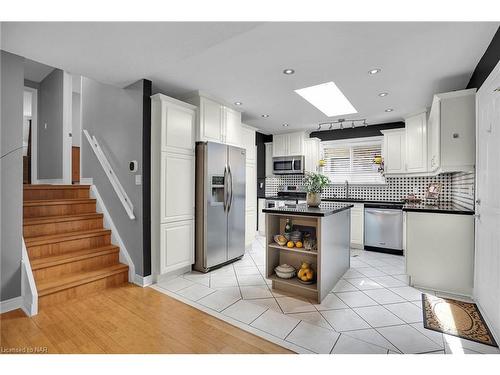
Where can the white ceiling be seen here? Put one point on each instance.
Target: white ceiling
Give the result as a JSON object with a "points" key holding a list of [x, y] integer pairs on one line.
{"points": [[35, 71], [244, 61]]}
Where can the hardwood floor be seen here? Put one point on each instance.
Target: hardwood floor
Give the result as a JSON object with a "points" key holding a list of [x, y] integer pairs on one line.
{"points": [[126, 319]]}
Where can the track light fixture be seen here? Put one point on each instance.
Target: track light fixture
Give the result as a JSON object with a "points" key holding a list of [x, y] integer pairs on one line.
{"points": [[354, 123]]}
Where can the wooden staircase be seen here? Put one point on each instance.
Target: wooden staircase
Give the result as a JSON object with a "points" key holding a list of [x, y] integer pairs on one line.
{"points": [[70, 252]]}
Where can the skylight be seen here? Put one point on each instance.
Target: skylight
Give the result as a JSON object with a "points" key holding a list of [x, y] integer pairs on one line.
{"points": [[328, 98]]}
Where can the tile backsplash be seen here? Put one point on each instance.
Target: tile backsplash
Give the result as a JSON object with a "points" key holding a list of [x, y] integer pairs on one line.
{"points": [[455, 187]]}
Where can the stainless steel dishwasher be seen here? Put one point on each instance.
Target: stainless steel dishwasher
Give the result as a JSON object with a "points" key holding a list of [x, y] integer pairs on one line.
{"points": [[384, 228]]}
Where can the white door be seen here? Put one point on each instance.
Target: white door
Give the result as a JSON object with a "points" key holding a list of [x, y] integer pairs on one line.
{"points": [[357, 225], [177, 187], [280, 145], [487, 258], [434, 136], [416, 144], [296, 144], [211, 120], [176, 245], [232, 127], [394, 144], [178, 133]]}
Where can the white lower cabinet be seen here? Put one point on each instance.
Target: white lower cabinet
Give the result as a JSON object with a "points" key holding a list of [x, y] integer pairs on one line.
{"points": [[262, 217], [440, 252], [250, 225], [176, 245], [357, 226]]}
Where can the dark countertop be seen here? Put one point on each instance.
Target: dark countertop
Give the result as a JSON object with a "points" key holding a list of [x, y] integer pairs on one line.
{"points": [[441, 208], [325, 209], [281, 198]]}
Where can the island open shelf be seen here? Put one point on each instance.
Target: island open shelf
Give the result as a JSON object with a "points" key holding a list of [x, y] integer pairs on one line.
{"points": [[330, 261]]}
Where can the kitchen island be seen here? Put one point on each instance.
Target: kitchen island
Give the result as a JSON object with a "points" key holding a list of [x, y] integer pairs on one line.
{"points": [[329, 229]]}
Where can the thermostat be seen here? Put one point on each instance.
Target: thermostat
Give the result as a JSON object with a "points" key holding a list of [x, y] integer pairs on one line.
{"points": [[132, 166]]}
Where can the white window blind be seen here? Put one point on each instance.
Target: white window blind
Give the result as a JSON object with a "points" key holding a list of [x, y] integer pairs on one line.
{"points": [[352, 160]]}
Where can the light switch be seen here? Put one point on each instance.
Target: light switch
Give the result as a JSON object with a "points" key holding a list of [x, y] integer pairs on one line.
{"points": [[138, 179]]}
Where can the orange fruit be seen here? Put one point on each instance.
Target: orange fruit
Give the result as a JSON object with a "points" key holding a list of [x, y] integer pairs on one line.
{"points": [[298, 244], [290, 244]]}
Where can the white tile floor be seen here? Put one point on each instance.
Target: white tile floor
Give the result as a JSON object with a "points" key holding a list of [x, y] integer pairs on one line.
{"points": [[370, 310]]}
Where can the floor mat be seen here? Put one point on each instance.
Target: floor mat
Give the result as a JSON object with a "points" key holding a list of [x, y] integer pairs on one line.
{"points": [[457, 318]]}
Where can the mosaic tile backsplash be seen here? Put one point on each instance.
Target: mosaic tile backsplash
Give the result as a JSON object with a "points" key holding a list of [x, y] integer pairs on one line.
{"points": [[395, 189]]}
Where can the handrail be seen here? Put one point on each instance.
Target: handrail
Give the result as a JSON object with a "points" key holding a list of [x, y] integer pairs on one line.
{"points": [[113, 178]]}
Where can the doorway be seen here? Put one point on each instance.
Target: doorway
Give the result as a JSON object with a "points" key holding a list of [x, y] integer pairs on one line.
{"points": [[30, 118]]}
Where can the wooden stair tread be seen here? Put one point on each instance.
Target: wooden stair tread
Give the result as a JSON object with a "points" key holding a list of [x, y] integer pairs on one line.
{"points": [[54, 187], [55, 285], [54, 202], [72, 256], [51, 238], [59, 219]]}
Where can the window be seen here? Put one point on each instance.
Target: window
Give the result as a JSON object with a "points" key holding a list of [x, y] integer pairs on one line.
{"points": [[353, 160]]}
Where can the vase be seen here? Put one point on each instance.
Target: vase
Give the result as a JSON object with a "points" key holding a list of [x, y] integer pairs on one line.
{"points": [[313, 199]]}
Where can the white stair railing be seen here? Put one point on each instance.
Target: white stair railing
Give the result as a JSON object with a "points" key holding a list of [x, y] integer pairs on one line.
{"points": [[120, 191]]}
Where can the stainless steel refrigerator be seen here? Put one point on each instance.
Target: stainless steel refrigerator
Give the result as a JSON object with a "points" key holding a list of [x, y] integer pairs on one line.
{"points": [[220, 204]]}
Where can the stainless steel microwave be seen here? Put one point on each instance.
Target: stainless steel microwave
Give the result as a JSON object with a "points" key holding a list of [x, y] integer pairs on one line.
{"points": [[288, 165]]}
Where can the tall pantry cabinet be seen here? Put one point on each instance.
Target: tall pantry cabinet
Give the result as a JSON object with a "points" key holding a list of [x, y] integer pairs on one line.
{"points": [[172, 185]]}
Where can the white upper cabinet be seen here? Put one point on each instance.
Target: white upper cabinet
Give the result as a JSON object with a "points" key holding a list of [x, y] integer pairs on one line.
{"points": [[211, 121], [296, 144], [454, 118], [291, 144], [248, 143], [217, 122], [280, 145], [231, 129], [312, 154], [179, 135], [394, 151], [416, 143]]}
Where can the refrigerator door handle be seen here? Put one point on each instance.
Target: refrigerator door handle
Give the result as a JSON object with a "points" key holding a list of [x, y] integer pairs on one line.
{"points": [[230, 200], [225, 188]]}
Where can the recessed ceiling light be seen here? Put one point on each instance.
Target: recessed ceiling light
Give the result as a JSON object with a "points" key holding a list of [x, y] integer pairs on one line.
{"points": [[374, 71], [328, 98], [288, 71], [382, 94], [265, 116], [238, 103], [389, 110], [285, 124]]}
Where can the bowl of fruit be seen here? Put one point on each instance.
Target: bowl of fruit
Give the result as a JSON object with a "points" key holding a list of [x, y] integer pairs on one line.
{"points": [[280, 240], [306, 274]]}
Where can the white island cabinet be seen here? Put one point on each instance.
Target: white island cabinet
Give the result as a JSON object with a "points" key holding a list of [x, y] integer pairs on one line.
{"points": [[172, 185]]}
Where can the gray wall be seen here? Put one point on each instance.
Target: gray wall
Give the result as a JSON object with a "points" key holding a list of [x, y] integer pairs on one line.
{"points": [[11, 179], [114, 117], [50, 152]]}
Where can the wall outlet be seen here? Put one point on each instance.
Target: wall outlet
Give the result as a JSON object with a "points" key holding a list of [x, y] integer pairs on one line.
{"points": [[138, 179]]}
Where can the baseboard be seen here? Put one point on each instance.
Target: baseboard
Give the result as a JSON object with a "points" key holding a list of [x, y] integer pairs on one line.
{"points": [[11, 304], [87, 181], [50, 181], [143, 281], [115, 235]]}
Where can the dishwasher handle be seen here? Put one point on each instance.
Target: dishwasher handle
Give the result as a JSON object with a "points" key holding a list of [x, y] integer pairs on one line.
{"points": [[383, 212]]}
